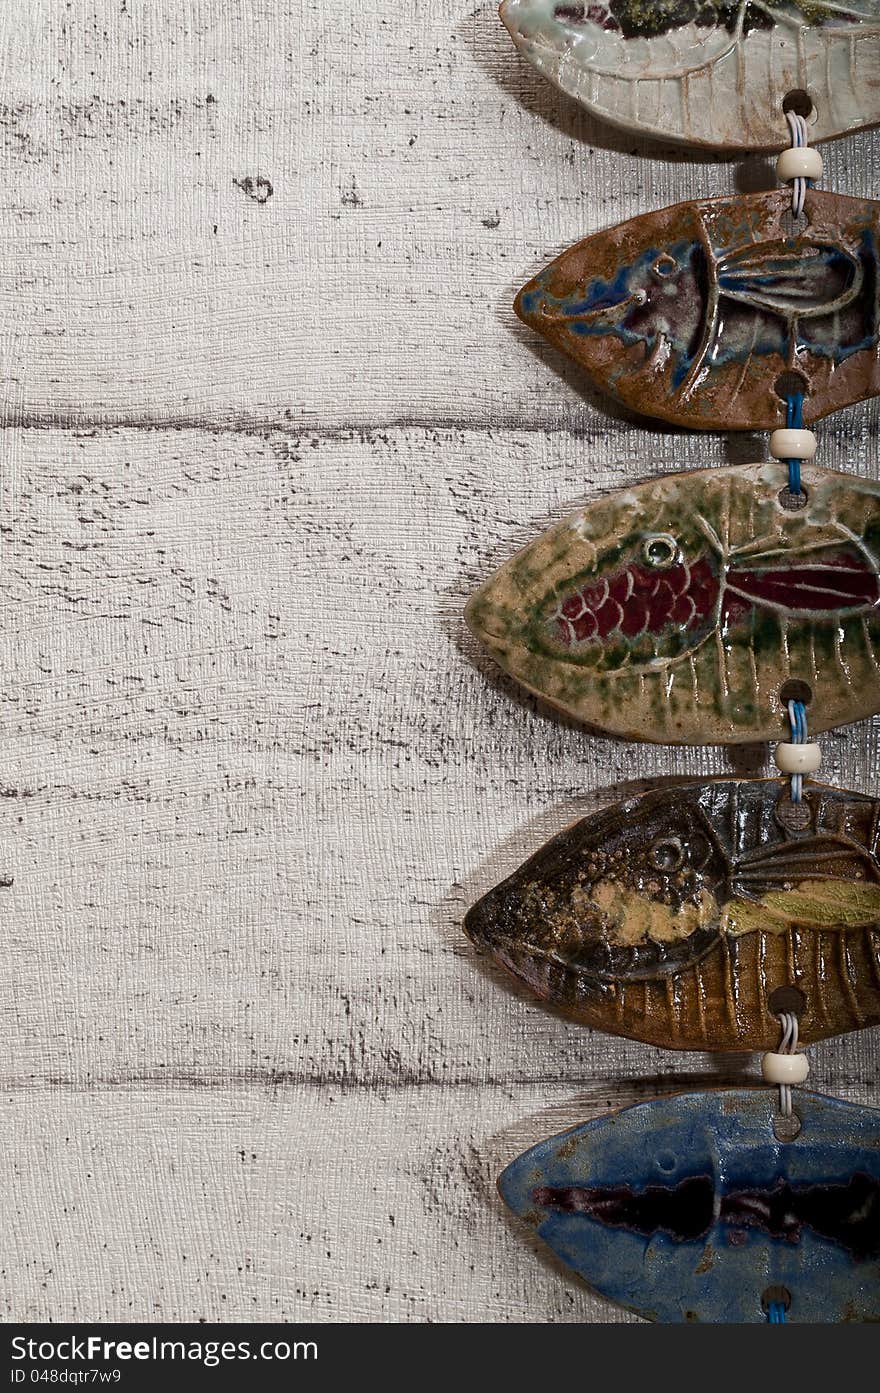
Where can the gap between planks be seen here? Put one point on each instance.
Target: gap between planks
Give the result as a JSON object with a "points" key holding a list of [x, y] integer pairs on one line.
{"points": [[260, 427], [617, 1090]]}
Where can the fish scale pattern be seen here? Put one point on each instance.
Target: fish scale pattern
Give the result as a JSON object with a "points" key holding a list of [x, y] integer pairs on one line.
{"points": [[676, 610], [639, 600]]}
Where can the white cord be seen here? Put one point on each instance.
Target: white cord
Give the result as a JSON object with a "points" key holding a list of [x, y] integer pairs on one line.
{"points": [[800, 137], [789, 1022]]}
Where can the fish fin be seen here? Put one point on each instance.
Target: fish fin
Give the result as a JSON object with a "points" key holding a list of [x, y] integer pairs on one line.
{"points": [[808, 281]]}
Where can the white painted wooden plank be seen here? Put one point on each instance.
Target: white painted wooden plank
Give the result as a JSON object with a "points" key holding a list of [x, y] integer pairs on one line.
{"points": [[255, 770], [281, 1204], [272, 1204], [420, 173]]}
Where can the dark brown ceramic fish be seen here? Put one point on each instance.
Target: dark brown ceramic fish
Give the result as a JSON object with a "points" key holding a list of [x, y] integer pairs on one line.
{"points": [[680, 610], [673, 918], [693, 314]]}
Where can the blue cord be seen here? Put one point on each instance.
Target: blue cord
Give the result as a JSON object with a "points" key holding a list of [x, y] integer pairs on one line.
{"points": [[794, 420], [797, 715], [776, 1312]]}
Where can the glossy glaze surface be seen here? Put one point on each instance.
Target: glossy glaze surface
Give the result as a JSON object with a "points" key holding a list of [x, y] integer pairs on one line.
{"points": [[708, 74], [693, 313], [689, 1209], [677, 610], [674, 917]]}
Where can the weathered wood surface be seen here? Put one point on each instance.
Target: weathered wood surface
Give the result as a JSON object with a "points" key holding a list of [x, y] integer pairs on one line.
{"points": [[253, 767]]}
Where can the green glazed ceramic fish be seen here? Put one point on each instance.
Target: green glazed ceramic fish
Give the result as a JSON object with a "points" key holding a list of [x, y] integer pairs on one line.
{"points": [[681, 610]]}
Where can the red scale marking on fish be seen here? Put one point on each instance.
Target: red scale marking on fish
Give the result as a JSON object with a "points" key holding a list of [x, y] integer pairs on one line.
{"points": [[841, 581], [644, 600], [638, 600]]}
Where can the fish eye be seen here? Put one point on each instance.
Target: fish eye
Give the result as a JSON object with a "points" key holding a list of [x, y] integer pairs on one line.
{"points": [[666, 854], [664, 266], [660, 550]]}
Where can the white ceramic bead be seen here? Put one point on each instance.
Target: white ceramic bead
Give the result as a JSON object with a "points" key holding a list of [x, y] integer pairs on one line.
{"points": [[785, 1068], [797, 759], [802, 162], [792, 444]]}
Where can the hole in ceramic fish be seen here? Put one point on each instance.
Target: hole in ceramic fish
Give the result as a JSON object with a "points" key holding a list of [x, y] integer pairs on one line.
{"points": [[775, 1296], [792, 502], [793, 817], [667, 854], [789, 225], [799, 102], [795, 690], [660, 550], [786, 1128], [789, 384], [787, 999]]}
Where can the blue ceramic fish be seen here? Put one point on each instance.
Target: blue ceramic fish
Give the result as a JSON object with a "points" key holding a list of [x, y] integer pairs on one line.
{"points": [[705, 72], [695, 313], [688, 1208]]}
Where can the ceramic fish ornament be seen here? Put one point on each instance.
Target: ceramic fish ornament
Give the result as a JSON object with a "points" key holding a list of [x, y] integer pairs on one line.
{"points": [[708, 74], [693, 314], [678, 610], [688, 1208], [673, 917]]}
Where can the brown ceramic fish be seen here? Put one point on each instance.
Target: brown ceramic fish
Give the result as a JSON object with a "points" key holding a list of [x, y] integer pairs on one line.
{"points": [[680, 610], [693, 314], [673, 918]]}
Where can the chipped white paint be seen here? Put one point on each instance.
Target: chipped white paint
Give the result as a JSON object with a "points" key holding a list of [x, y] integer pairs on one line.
{"points": [[253, 767]]}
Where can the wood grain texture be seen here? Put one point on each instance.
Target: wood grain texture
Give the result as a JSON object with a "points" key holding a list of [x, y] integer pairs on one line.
{"points": [[253, 767], [420, 173]]}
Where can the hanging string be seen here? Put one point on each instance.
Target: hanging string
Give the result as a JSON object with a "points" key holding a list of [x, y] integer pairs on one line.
{"points": [[797, 711], [794, 420], [788, 1045], [799, 138], [797, 716]]}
